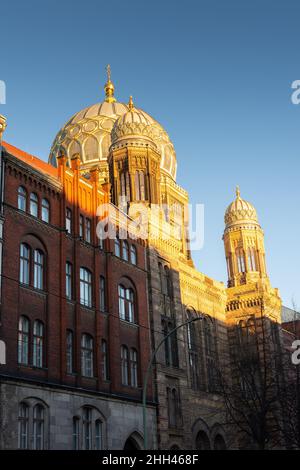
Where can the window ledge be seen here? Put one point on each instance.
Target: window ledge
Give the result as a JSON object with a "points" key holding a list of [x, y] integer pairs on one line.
{"points": [[126, 322]]}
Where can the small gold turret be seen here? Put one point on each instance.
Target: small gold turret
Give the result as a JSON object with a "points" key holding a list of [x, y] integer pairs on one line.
{"points": [[2, 126], [109, 87]]}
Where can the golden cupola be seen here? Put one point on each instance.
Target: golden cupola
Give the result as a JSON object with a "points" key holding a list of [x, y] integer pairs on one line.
{"points": [[244, 243], [133, 127], [88, 133], [240, 211]]}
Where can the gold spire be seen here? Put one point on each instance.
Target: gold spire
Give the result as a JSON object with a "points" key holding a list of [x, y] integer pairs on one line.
{"points": [[109, 87], [130, 104], [238, 192]]}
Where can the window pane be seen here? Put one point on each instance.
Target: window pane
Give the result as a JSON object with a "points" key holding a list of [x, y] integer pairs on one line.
{"points": [[23, 426], [98, 435], [33, 204], [68, 280], [22, 196], [45, 210], [38, 273]]}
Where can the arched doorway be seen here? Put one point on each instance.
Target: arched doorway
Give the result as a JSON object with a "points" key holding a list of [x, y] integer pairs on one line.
{"points": [[134, 442], [219, 443], [202, 441]]}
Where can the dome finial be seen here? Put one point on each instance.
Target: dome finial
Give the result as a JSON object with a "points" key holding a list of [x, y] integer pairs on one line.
{"points": [[109, 87], [130, 103], [238, 192]]}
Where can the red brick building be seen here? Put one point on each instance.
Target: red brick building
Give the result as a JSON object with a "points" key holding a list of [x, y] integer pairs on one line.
{"points": [[74, 315]]}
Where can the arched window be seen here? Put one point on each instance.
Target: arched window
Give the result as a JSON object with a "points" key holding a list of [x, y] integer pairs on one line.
{"points": [[219, 443], [24, 264], [117, 247], [34, 204], [23, 425], [69, 280], [102, 294], [70, 352], [252, 265], [22, 198], [87, 428], [126, 304], [105, 360], [140, 187], [87, 348], [125, 251], [38, 427], [133, 368], [85, 287], [23, 340], [45, 210], [38, 272], [133, 257], [38, 343], [202, 441], [124, 365], [240, 260]]}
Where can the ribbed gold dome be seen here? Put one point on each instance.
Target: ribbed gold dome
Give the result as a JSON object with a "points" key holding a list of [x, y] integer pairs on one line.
{"points": [[240, 211], [132, 125], [88, 133]]}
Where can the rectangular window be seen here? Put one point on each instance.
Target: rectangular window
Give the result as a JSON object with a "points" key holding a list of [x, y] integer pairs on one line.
{"points": [[81, 226], [38, 343], [88, 230], [68, 220], [69, 352], [87, 428], [85, 287], [24, 264], [105, 361], [124, 365], [23, 426], [102, 294], [87, 355], [69, 281], [98, 435], [38, 272], [75, 433]]}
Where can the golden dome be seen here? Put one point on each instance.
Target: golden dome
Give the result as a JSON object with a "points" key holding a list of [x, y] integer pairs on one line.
{"points": [[132, 125], [240, 211], [88, 133]]}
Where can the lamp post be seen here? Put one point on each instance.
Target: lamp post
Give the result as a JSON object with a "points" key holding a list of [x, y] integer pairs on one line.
{"points": [[149, 370]]}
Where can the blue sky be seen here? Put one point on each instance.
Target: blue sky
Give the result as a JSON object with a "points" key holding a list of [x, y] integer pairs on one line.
{"points": [[216, 74]]}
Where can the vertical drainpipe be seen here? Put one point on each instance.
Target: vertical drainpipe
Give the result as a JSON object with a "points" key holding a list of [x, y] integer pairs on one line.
{"points": [[2, 129]]}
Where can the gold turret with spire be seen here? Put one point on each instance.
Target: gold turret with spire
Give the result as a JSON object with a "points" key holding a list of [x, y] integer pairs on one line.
{"points": [[249, 286], [109, 87]]}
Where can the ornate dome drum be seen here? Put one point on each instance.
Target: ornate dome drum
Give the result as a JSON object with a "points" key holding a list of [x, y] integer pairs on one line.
{"points": [[88, 133]]}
